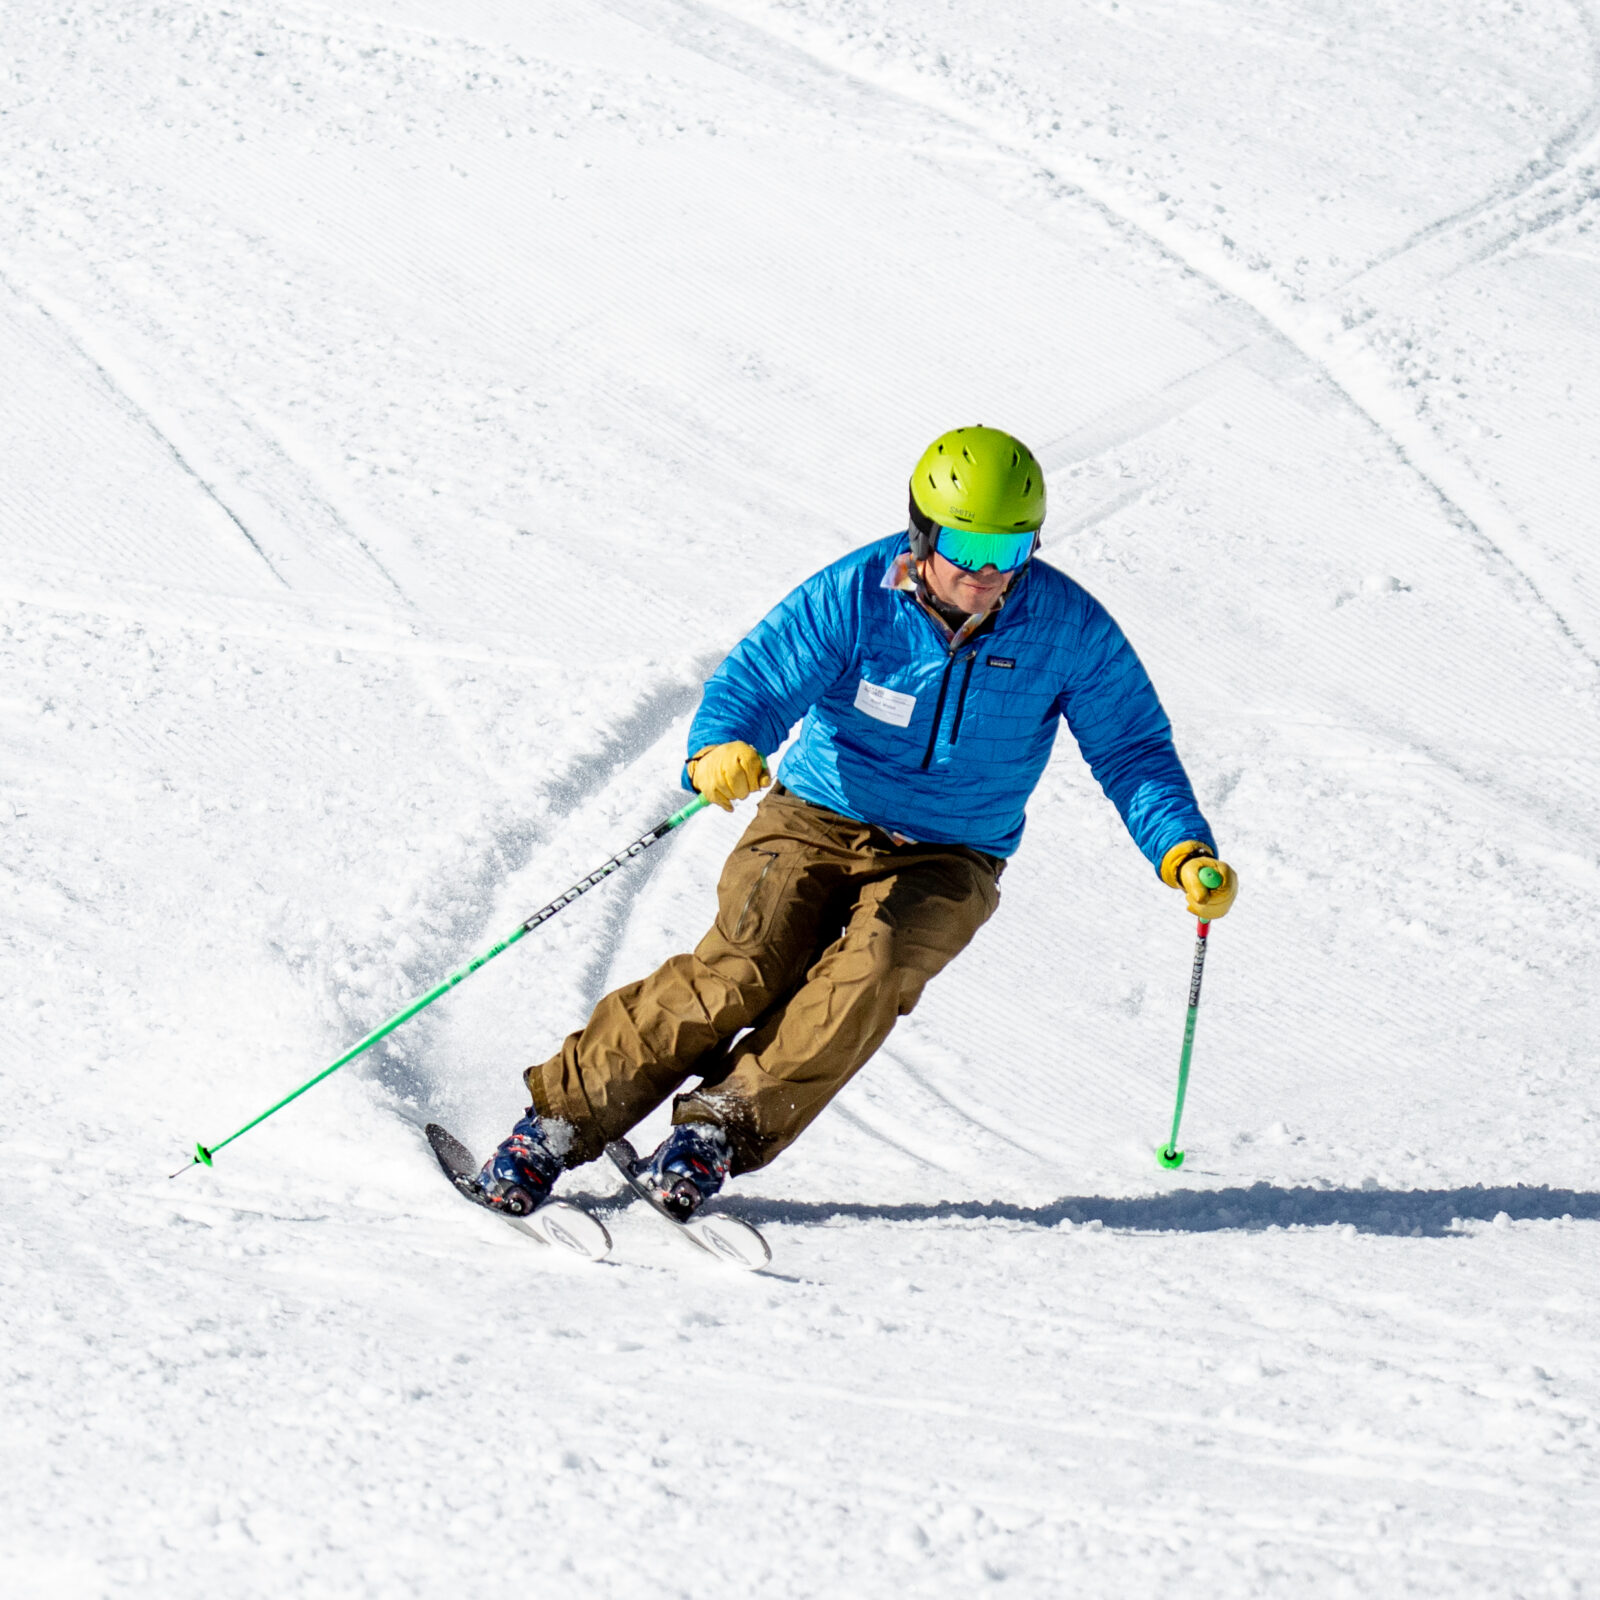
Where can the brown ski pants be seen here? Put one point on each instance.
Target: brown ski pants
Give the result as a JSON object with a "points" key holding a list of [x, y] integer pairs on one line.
{"points": [[826, 932]]}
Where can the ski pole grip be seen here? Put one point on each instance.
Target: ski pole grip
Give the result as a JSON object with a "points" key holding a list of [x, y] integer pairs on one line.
{"points": [[1210, 877]]}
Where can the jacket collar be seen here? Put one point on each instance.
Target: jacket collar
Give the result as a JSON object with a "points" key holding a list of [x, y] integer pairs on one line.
{"points": [[903, 575]]}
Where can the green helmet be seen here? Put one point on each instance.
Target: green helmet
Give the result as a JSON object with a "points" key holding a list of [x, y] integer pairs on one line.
{"points": [[977, 478]]}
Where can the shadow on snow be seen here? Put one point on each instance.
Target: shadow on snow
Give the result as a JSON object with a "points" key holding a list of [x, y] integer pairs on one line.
{"points": [[1407, 1213]]}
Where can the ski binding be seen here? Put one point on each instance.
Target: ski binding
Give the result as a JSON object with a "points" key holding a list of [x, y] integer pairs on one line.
{"points": [[726, 1238], [556, 1222]]}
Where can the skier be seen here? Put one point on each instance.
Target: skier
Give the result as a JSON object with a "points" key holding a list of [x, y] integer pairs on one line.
{"points": [[931, 670]]}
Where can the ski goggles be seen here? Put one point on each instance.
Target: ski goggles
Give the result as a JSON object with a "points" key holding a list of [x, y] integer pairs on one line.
{"points": [[971, 551]]}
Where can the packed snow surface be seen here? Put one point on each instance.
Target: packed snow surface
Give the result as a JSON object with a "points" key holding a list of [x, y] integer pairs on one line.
{"points": [[405, 408]]}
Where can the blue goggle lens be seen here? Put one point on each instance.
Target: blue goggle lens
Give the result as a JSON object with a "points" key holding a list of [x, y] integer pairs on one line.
{"points": [[1005, 552]]}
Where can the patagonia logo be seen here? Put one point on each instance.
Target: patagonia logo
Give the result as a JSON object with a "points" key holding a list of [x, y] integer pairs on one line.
{"points": [[1002, 661]]}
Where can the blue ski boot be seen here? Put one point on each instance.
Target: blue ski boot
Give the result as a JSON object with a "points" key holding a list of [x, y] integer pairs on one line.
{"points": [[688, 1168], [519, 1176]]}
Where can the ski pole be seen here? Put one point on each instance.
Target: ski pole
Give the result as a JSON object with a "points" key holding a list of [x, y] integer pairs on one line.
{"points": [[204, 1153], [1169, 1155]]}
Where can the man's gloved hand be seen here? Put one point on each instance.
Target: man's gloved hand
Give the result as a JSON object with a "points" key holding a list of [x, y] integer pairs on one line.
{"points": [[1181, 867], [724, 773]]}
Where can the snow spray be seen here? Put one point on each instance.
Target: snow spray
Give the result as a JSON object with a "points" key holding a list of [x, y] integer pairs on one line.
{"points": [[203, 1153], [1169, 1155]]}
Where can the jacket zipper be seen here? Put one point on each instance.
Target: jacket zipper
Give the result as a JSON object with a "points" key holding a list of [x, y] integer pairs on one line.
{"points": [[961, 700], [944, 685], [938, 714], [961, 705]]}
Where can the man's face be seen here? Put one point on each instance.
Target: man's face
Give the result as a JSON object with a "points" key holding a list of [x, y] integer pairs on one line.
{"points": [[972, 592]]}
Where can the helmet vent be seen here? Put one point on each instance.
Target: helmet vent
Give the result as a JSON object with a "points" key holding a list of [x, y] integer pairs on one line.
{"points": [[979, 478]]}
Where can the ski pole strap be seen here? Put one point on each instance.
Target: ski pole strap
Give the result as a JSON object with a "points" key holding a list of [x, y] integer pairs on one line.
{"points": [[203, 1153]]}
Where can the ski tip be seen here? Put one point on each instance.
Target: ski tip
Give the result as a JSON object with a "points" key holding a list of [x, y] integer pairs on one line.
{"points": [[452, 1155], [623, 1156]]}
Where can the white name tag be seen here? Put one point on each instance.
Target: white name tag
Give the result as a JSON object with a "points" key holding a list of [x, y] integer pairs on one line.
{"points": [[886, 705]]}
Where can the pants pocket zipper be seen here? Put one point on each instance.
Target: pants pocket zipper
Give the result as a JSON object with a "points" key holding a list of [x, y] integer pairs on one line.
{"points": [[749, 899]]}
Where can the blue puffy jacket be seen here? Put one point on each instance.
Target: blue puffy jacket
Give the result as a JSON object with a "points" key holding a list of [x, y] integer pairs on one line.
{"points": [[941, 746]]}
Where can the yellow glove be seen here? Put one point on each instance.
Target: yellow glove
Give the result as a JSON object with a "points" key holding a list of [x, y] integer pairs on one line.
{"points": [[724, 773], [1181, 867]]}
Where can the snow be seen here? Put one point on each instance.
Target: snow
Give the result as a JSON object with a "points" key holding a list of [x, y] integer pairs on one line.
{"points": [[407, 406]]}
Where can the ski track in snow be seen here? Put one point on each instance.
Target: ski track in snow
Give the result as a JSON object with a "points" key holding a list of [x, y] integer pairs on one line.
{"points": [[492, 334], [102, 361], [1309, 332], [1556, 182], [448, 920]]}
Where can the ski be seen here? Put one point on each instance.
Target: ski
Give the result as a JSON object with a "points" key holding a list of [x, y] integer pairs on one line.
{"points": [[726, 1238], [556, 1222]]}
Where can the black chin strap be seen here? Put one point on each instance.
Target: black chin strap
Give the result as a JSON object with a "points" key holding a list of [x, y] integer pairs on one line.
{"points": [[954, 617]]}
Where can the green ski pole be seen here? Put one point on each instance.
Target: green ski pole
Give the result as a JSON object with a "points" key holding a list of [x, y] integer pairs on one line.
{"points": [[1169, 1155], [204, 1153]]}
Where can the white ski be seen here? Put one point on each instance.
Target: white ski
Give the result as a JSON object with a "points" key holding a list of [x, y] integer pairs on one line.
{"points": [[556, 1222], [726, 1238]]}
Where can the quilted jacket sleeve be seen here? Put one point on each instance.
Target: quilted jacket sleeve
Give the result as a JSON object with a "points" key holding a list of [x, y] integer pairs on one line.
{"points": [[1115, 715], [772, 677]]}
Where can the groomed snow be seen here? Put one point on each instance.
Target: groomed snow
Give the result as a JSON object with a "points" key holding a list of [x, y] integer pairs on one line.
{"points": [[405, 407]]}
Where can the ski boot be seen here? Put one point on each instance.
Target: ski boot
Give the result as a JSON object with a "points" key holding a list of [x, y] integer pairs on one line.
{"points": [[519, 1176], [687, 1169]]}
